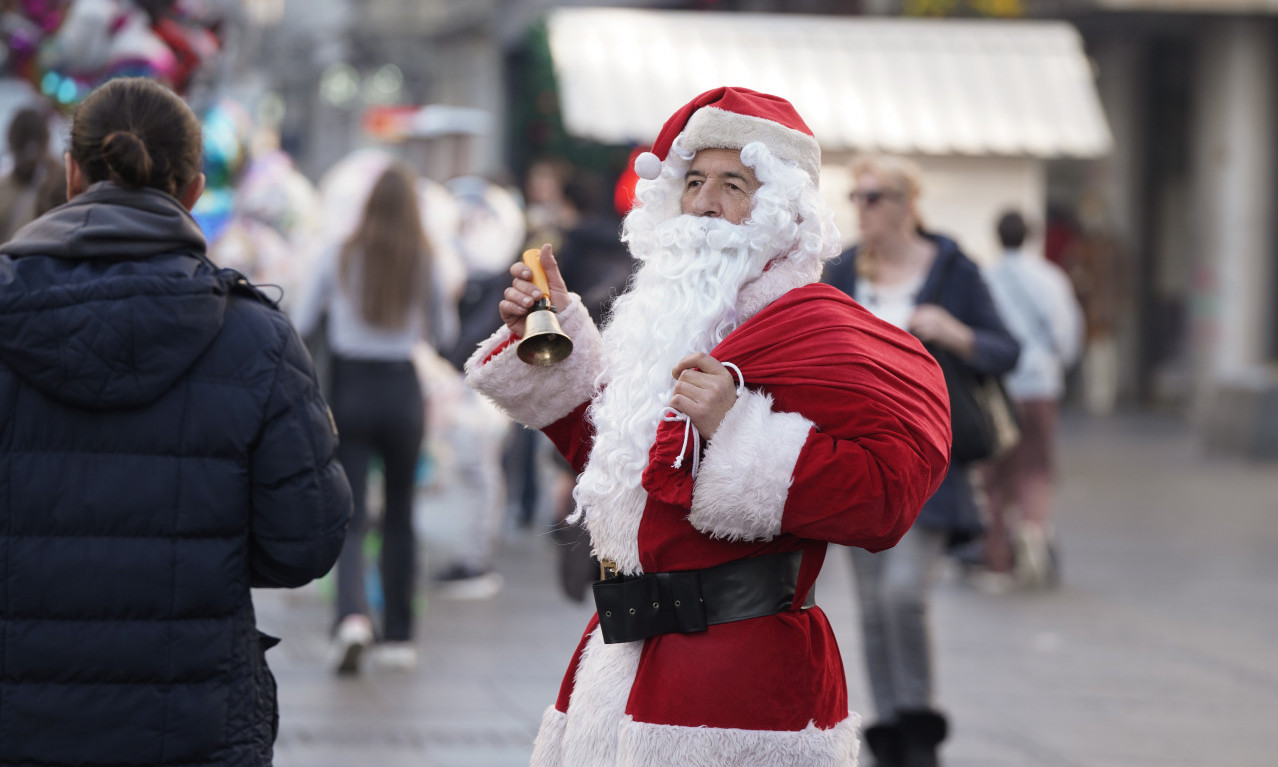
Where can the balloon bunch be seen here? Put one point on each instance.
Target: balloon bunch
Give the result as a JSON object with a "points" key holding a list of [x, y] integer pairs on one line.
{"points": [[66, 48]]}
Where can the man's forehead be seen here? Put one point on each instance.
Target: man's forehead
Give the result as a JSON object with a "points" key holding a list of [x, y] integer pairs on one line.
{"points": [[720, 162]]}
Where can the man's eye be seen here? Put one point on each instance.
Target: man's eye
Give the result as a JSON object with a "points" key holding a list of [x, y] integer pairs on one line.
{"points": [[693, 183]]}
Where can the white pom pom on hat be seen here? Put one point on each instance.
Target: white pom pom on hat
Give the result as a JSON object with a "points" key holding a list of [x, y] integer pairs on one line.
{"points": [[648, 166], [729, 118]]}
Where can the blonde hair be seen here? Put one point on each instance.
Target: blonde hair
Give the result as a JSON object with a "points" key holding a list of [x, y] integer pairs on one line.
{"points": [[899, 175]]}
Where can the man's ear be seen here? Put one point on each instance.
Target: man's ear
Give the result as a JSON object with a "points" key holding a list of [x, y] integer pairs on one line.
{"points": [[75, 177], [189, 195]]}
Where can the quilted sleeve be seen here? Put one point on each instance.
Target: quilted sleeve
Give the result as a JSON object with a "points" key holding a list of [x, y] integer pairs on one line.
{"points": [[301, 499]]}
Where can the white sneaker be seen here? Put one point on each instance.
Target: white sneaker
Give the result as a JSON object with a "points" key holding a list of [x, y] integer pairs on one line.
{"points": [[476, 587], [1032, 556], [395, 656], [354, 636]]}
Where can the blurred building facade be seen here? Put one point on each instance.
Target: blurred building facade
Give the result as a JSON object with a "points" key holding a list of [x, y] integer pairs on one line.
{"points": [[1178, 209]]}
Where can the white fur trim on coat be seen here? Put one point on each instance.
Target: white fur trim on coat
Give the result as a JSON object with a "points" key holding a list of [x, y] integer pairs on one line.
{"points": [[597, 706], [661, 745], [745, 477], [538, 396], [548, 748]]}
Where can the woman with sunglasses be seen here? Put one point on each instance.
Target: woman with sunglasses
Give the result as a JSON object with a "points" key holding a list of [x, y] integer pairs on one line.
{"points": [[922, 282]]}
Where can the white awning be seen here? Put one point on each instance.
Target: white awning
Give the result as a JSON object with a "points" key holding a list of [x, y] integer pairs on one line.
{"points": [[908, 86]]}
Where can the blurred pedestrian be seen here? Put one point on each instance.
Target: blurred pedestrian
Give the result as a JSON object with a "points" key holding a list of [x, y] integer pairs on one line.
{"points": [[594, 260], [375, 292], [51, 193], [28, 140], [490, 234], [819, 424], [166, 448], [1036, 300], [922, 282]]}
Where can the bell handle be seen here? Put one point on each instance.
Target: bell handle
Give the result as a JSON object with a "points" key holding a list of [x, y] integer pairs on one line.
{"points": [[532, 259]]}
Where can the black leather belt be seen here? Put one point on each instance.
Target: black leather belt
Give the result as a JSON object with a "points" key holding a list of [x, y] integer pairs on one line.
{"points": [[634, 607]]}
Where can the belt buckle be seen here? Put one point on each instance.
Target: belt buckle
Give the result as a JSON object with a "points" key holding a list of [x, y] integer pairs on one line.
{"points": [[607, 569]]}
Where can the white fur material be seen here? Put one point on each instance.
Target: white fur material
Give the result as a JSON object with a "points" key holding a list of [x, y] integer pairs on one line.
{"points": [[746, 474], [784, 275], [538, 396], [548, 748], [597, 707], [713, 128], [615, 534], [660, 745], [648, 165]]}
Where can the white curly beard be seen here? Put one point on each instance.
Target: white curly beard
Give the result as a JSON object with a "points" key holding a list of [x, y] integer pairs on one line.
{"points": [[682, 300]]}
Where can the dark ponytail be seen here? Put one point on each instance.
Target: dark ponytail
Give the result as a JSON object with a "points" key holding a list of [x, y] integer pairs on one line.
{"points": [[137, 133], [126, 159]]}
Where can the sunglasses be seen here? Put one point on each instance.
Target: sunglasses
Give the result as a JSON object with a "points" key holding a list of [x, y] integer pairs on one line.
{"points": [[871, 197]]}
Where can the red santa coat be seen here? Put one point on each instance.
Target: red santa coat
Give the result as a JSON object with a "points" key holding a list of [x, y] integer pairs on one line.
{"points": [[842, 435]]}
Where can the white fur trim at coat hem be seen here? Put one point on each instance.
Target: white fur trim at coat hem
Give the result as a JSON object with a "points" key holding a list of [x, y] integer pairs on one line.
{"points": [[538, 396], [661, 745], [745, 477], [548, 748]]}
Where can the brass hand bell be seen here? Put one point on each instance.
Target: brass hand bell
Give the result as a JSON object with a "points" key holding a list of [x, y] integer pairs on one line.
{"points": [[544, 342]]}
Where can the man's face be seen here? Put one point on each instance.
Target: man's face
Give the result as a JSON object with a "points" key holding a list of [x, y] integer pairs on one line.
{"points": [[718, 185]]}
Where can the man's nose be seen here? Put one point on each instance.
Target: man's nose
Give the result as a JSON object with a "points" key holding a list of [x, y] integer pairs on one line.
{"points": [[706, 203]]}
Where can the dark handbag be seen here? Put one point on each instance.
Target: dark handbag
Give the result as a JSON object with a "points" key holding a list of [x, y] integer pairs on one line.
{"points": [[983, 420], [982, 416]]}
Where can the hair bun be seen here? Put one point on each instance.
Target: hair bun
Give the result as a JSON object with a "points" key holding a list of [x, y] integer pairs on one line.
{"points": [[127, 159]]}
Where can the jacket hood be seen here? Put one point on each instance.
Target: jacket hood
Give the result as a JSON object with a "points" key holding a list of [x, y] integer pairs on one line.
{"points": [[107, 300]]}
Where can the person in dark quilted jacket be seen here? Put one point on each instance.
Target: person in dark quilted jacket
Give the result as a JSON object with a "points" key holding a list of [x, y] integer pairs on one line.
{"points": [[163, 448]]}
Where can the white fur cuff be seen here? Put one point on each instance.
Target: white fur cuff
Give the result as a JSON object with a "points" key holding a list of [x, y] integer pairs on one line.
{"points": [[745, 477], [538, 396], [659, 745]]}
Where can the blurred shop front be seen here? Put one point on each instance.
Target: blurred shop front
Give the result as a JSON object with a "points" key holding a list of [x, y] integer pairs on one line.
{"points": [[983, 107], [1191, 91]]}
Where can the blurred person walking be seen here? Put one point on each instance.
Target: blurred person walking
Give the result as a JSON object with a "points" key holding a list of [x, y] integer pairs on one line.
{"points": [[922, 282], [165, 448], [376, 294], [28, 141], [1035, 298]]}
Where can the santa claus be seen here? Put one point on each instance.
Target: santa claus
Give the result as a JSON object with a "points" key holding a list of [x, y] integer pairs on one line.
{"points": [[733, 418]]}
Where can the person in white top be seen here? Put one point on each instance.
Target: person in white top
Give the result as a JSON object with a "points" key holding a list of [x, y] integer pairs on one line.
{"points": [[1037, 302]]}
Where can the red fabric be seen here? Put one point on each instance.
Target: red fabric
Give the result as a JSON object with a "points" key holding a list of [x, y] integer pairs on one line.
{"points": [[739, 100]]}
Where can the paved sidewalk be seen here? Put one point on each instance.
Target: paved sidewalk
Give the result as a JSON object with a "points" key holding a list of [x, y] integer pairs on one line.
{"points": [[1161, 647]]}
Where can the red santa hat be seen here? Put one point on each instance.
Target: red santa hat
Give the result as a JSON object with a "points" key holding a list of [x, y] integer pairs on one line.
{"points": [[730, 118]]}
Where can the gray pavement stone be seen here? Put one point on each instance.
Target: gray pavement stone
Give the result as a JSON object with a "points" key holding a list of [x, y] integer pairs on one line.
{"points": [[1160, 648]]}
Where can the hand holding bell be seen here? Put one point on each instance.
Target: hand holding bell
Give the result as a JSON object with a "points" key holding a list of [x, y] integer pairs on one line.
{"points": [[544, 342]]}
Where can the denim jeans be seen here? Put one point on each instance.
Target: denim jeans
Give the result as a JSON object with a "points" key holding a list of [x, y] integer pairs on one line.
{"points": [[893, 587]]}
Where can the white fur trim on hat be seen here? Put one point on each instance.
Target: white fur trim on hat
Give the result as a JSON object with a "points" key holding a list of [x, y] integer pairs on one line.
{"points": [[538, 396], [745, 477], [711, 128]]}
